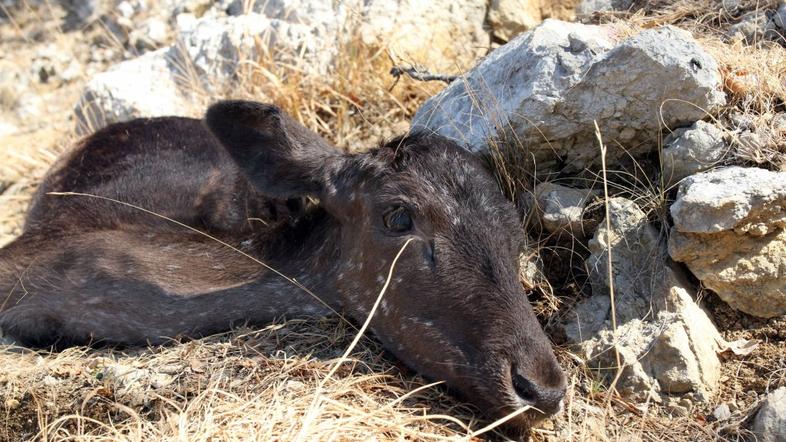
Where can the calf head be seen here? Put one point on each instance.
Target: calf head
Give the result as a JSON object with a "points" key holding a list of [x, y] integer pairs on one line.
{"points": [[455, 309]]}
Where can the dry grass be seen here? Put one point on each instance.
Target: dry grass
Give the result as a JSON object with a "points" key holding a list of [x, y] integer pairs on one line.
{"points": [[246, 385], [260, 384]]}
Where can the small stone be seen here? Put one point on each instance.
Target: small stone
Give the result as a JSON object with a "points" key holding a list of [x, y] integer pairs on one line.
{"points": [[12, 404], [677, 410], [295, 385], [779, 19], [691, 150], [666, 341], [444, 35], [722, 413], [588, 7], [125, 9], [562, 208], [50, 381], [157, 31]]}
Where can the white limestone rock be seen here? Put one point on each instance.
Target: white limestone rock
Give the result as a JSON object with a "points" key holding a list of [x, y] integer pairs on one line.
{"points": [[546, 88], [146, 86], [562, 208], [666, 341], [769, 425], [730, 230], [691, 150]]}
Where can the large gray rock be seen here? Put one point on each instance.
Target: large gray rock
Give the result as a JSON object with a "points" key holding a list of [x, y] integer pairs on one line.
{"points": [[693, 149], [205, 61], [545, 88], [769, 425], [213, 47], [146, 86], [730, 230], [671, 353], [666, 342]]}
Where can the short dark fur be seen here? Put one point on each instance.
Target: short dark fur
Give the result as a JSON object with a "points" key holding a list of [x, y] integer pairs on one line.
{"points": [[88, 271]]}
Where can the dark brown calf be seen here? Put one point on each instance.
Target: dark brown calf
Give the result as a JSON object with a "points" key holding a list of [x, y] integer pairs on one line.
{"points": [[90, 271]]}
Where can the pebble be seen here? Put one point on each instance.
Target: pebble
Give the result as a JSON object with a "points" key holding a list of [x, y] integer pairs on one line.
{"points": [[12, 404], [722, 413]]}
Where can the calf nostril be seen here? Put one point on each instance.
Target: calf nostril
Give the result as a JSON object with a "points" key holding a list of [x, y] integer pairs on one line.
{"points": [[524, 388], [546, 400]]}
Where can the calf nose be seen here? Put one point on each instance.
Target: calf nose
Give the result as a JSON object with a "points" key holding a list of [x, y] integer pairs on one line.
{"points": [[545, 398]]}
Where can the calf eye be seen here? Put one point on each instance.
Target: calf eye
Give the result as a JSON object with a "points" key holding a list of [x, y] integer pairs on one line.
{"points": [[398, 220]]}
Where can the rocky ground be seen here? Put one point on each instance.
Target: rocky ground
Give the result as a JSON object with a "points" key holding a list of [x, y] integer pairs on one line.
{"points": [[644, 142]]}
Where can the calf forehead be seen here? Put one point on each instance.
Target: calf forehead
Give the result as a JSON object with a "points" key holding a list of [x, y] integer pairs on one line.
{"points": [[459, 185]]}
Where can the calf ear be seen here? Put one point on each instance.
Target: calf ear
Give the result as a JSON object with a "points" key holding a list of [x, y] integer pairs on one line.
{"points": [[281, 158]]}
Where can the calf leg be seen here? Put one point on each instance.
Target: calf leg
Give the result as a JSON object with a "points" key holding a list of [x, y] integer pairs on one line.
{"points": [[33, 328]]}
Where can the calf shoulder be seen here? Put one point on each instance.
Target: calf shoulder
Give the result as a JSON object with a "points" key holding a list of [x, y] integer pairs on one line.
{"points": [[171, 166]]}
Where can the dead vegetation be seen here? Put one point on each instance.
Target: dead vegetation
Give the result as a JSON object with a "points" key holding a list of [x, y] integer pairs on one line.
{"points": [[261, 384]]}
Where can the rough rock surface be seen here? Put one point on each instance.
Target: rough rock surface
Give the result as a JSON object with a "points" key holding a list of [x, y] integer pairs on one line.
{"points": [[144, 86], [443, 35], [546, 87], [673, 353], [321, 14], [216, 47], [779, 19], [751, 27], [78, 12], [509, 18], [562, 208], [693, 149], [760, 25], [769, 425], [588, 7], [730, 230], [666, 341], [205, 59]]}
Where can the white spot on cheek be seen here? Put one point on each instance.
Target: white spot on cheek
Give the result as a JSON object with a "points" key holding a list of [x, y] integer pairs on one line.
{"points": [[381, 279]]}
